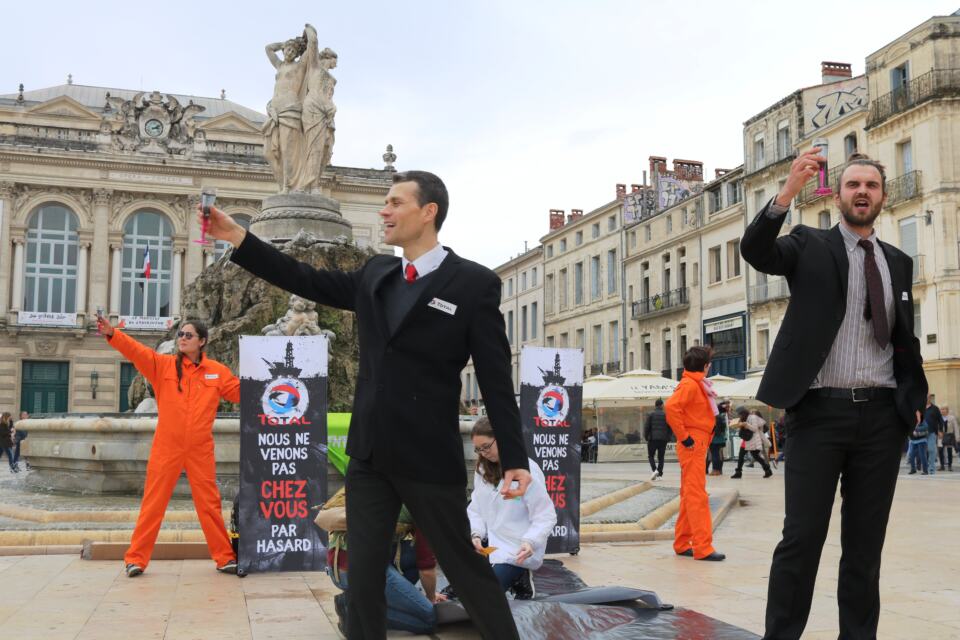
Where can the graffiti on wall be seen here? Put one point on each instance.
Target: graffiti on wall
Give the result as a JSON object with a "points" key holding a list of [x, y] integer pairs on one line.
{"points": [[825, 104], [670, 190], [639, 205]]}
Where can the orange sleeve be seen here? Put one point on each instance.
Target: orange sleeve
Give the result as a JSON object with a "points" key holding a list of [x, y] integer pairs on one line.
{"points": [[230, 387], [146, 360], [676, 412]]}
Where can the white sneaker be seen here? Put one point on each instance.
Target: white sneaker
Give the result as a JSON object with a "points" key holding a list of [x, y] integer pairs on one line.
{"points": [[654, 476]]}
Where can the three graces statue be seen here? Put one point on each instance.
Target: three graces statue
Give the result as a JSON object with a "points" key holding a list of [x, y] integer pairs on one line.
{"points": [[299, 132]]}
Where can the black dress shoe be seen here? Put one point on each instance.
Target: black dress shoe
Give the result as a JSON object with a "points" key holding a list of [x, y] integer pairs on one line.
{"points": [[340, 604], [688, 553], [714, 557]]}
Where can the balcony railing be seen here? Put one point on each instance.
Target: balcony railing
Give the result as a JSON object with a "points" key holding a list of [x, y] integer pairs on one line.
{"points": [[596, 369], [613, 367], [808, 193], [773, 289], [938, 83], [668, 301], [904, 188]]}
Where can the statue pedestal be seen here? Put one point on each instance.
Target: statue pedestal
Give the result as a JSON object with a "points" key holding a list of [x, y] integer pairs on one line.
{"points": [[284, 215]]}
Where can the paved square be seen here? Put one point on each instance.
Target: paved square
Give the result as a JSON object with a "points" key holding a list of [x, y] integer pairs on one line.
{"points": [[63, 597]]}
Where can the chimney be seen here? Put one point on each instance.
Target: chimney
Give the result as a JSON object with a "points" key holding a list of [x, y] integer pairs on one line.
{"points": [[575, 214], [556, 219], [835, 71], [635, 188], [621, 191], [691, 170], [719, 173], [658, 165]]}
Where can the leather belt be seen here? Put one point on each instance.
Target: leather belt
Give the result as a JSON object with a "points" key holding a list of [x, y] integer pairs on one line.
{"points": [[858, 394]]}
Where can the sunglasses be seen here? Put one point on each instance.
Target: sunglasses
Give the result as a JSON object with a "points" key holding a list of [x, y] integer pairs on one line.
{"points": [[186, 334], [484, 448]]}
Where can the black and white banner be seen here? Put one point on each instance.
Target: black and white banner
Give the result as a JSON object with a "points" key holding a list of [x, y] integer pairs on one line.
{"points": [[283, 454], [551, 399]]}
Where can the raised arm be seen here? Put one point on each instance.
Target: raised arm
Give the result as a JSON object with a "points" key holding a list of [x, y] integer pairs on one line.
{"points": [[145, 359], [332, 288], [271, 50], [230, 387], [760, 246]]}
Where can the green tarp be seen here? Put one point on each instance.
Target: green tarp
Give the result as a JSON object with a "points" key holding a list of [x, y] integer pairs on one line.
{"points": [[337, 426]]}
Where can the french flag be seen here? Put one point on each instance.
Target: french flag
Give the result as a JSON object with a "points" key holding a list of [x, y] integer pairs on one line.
{"points": [[146, 263]]}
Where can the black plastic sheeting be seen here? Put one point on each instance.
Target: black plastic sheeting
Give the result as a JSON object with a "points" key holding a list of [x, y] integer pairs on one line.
{"points": [[565, 608]]}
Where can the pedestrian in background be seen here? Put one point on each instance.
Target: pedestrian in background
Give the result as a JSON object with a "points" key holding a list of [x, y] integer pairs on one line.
{"points": [[934, 420], [657, 432], [949, 437], [7, 436], [751, 432], [719, 439]]}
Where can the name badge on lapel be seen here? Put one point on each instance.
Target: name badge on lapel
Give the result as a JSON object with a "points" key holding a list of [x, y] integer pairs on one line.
{"points": [[443, 305], [904, 296], [211, 376]]}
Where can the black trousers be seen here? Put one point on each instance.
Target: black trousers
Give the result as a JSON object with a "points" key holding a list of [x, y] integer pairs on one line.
{"points": [[656, 449], [440, 512], [858, 444], [716, 457], [756, 455]]}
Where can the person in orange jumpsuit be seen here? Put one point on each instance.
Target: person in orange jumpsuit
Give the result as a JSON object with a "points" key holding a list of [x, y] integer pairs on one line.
{"points": [[188, 387], [691, 414]]}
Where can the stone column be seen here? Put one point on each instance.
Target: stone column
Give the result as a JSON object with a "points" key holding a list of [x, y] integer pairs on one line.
{"points": [[6, 215], [17, 302], [177, 285], [100, 252], [117, 250], [82, 268], [193, 260]]}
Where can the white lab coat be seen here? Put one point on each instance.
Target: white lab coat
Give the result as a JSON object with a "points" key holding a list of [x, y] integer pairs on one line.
{"points": [[508, 523]]}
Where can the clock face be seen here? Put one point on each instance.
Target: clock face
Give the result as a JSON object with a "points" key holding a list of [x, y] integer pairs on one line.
{"points": [[153, 128]]}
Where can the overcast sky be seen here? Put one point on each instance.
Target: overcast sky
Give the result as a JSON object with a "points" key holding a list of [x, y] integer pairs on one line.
{"points": [[520, 106]]}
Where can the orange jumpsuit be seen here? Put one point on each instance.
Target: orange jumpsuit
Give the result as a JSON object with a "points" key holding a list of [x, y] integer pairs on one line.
{"points": [[689, 414], [183, 440]]}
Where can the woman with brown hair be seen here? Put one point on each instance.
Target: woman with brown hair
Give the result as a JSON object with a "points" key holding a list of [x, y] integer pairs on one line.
{"points": [[516, 529], [188, 387]]}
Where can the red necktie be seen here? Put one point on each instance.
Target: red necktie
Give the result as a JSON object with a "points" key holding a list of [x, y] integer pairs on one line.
{"points": [[411, 273]]}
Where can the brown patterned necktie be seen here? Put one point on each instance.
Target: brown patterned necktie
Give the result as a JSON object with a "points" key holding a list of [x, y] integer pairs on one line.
{"points": [[875, 302]]}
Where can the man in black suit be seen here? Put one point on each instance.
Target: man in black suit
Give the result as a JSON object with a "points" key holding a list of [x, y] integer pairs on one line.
{"points": [[846, 366], [420, 318]]}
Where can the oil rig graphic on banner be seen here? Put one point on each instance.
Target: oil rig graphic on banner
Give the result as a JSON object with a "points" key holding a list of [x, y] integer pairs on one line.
{"points": [[286, 368], [553, 377]]}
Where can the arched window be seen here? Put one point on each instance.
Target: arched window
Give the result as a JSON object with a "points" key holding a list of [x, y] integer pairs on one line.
{"points": [[141, 295], [50, 273], [221, 246]]}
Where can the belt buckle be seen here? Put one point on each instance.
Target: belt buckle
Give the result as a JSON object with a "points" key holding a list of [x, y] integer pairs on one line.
{"points": [[853, 394]]}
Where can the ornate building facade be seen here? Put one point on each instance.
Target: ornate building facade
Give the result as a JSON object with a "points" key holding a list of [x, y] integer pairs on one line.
{"points": [[96, 186]]}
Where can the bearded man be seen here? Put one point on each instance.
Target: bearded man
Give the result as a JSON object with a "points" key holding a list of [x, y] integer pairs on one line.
{"points": [[846, 366]]}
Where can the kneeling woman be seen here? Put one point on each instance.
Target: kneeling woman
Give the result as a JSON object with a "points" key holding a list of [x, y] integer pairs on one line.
{"points": [[188, 387], [517, 528]]}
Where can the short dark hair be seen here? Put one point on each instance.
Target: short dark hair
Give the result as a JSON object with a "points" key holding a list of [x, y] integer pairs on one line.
{"points": [[430, 188], [658, 403], [863, 160], [696, 358]]}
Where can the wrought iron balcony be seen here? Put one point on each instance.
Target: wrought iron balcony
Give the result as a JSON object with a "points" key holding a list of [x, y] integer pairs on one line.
{"points": [[662, 302], [613, 367], [596, 369], [939, 83], [904, 188], [773, 289], [808, 193]]}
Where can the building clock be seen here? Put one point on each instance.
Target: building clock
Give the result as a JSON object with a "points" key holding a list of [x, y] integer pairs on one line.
{"points": [[153, 128]]}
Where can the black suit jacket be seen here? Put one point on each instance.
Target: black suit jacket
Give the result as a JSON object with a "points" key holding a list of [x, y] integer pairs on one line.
{"points": [[814, 262], [406, 406]]}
